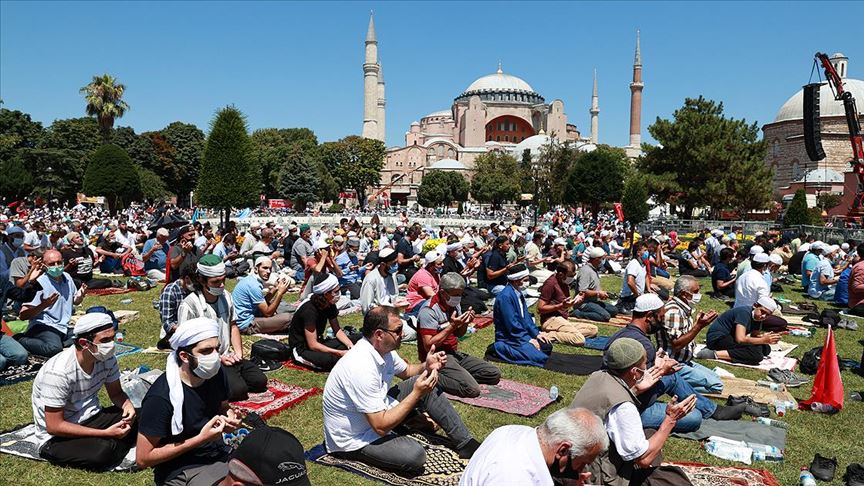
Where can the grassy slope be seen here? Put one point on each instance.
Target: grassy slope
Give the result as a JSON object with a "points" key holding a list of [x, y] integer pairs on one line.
{"points": [[809, 433]]}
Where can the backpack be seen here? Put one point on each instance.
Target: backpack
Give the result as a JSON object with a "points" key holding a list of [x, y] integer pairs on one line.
{"points": [[270, 349], [829, 317], [810, 361], [132, 265]]}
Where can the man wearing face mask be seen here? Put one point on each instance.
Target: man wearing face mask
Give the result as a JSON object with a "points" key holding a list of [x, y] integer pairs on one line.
{"points": [[424, 283], [51, 308], [588, 284], [212, 301], [555, 304], [72, 428], [441, 322], [11, 249], [648, 315], [155, 255], [352, 272], [737, 335], [171, 298], [380, 288], [635, 277], [186, 411], [632, 458], [517, 338], [559, 449], [678, 335], [256, 308], [182, 250]]}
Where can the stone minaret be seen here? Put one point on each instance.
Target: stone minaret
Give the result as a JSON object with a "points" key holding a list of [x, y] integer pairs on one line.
{"points": [[595, 110], [636, 100], [370, 84], [382, 134]]}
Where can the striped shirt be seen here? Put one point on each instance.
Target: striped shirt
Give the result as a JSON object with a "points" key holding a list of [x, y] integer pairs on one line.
{"points": [[677, 321], [61, 383]]}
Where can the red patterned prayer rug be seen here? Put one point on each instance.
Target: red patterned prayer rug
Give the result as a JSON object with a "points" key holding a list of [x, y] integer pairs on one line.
{"points": [[109, 291], [278, 397], [705, 475], [510, 397], [482, 321]]}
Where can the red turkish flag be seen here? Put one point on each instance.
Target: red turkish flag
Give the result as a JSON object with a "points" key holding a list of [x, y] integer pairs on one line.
{"points": [[619, 211], [828, 386]]}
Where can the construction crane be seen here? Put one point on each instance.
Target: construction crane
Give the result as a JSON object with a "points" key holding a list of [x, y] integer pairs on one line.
{"points": [[841, 94], [390, 184]]}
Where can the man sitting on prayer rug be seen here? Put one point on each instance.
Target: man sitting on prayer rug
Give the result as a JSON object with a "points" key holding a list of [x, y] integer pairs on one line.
{"points": [[517, 338]]}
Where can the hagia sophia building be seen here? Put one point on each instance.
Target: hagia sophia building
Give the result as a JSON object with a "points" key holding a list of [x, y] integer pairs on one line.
{"points": [[497, 112]]}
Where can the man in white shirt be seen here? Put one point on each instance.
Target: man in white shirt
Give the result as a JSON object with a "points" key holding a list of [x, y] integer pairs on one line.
{"points": [[72, 428], [361, 409], [751, 285], [635, 276], [561, 447]]}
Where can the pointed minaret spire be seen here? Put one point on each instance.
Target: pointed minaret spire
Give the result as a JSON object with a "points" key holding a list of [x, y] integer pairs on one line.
{"points": [[595, 110], [500, 71], [638, 59], [635, 147], [370, 32], [371, 89]]}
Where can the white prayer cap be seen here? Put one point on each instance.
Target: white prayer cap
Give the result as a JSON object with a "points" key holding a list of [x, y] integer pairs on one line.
{"points": [[432, 257], [817, 246], [455, 246], [91, 321], [595, 252], [804, 247], [756, 249], [776, 259], [162, 232], [321, 243], [262, 259], [559, 241], [647, 303], [758, 233], [768, 303], [717, 232], [761, 258], [328, 284], [656, 233], [844, 247], [833, 248], [188, 333]]}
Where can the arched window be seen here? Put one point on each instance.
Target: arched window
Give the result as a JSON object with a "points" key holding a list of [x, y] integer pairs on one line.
{"points": [[775, 148]]}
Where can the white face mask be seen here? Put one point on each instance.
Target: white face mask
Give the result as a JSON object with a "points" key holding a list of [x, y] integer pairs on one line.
{"points": [[104, 351], [217, 291], [208, 365], [454, 301], [696, 298]]}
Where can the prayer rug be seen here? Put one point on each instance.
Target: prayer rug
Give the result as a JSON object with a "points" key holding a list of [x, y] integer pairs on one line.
{"points": [[22, 443], [742, 386], [573, 364], [24, 372], [443, 466], [123, 349], [291, 364], [740, 430], [279, 396], [12, 328], [510, 397], [109, 291], [597, 342], [777, 358], [482, 321], [704, 475]]}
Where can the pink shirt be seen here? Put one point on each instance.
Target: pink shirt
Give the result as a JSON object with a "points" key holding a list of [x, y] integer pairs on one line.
{"points": [[423, 278]]}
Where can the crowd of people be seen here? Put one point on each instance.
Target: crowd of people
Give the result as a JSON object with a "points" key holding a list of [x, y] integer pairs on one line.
{"points": [[411, 283]]}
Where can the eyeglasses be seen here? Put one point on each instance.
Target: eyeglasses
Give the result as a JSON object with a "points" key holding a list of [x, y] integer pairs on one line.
{"points": [[394, 332]]}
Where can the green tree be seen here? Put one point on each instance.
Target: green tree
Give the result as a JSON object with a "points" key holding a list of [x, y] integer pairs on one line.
{"points": [[551, 167], [57, 172], [153, 188], [634, 199], [267, 143], [355, 163], [139, 147], [828, 200], [187, 142], [298, 178], [441, 188], [15, 180], [17, 131], [713, 160], [493, 181], [112, 174], [798, 213], [229, 175], [595, 178], [104, 101], [79, 134]]}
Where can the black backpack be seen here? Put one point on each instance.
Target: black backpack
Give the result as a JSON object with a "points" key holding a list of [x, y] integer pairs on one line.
{"points": [[810, 361], [271, 350], [829, 317]]}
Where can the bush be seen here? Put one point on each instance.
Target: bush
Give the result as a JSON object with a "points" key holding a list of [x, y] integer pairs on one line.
{"points": [[335, 208], [112, 174]]}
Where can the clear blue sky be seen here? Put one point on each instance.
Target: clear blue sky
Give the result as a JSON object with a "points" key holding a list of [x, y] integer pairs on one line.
{"points": [[299, 64]]}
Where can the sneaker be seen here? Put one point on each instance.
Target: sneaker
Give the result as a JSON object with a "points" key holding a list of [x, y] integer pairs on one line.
{"points": [[823, 468], [753, 409], [468, 450], [786, 377], [847, 324], [705, 353], [854, 475]]}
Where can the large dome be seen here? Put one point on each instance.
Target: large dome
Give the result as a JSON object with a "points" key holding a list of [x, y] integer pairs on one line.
{"points": [[793, 109], [499, 82]]}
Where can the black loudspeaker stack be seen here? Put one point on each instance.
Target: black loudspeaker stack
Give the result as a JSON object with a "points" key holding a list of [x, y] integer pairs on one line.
{"points": [[812, 123]]}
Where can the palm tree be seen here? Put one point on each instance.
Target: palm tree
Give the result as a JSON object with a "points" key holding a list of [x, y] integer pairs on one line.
{"points": [[103, 96]]}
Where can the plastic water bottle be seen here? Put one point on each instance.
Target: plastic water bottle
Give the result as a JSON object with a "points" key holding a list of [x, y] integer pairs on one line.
{"points": [[762, 452], [126, 301], [801, 333], [822, 407], [771, 385], [771, 422], [806, 478], [471, 330], [553, 393], [119, 336], [731, 450], [783, 406]]}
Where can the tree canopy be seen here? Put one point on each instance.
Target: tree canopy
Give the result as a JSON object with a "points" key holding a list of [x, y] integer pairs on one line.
{"points": [[104, 97], [112, 174], [16, 182], [707, 159], [634, 199], [441, 188], [270, 145], [595, 178], [298, 177], [496, 178], [229, 172], [355, 163]]}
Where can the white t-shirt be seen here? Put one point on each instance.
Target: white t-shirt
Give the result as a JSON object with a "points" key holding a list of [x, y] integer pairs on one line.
{"points": [[637, 270], [624, 426], [510, 455], [61, 383], [127, 240], [32, 239], [749, 287], [358, 385]]}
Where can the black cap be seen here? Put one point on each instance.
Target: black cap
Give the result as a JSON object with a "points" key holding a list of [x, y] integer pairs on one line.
{"points": [[270, 456]]}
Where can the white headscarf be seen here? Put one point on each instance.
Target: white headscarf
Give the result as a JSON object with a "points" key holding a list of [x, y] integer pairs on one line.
{"points": [[190, 332]]}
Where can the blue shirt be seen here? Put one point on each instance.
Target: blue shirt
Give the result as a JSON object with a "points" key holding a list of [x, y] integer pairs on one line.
{"points": [[248, 293], [159, 258], [57, 316], [823, 267], [345, 260], [808, 264], [841, 291]]}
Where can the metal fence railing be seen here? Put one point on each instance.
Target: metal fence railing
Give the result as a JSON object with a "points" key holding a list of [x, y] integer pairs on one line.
{"points": [[683, 226], [831, 235]]}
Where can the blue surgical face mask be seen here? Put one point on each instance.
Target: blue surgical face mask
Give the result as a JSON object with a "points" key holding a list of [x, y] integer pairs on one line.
{"points": [[645, 255], [394, 268]]}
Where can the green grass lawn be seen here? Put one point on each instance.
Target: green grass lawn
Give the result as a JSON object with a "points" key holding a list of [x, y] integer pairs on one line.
{"points": [[838, 435]]}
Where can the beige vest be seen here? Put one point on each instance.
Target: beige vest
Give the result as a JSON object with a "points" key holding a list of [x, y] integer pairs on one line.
{"points": [[599, 394]]}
